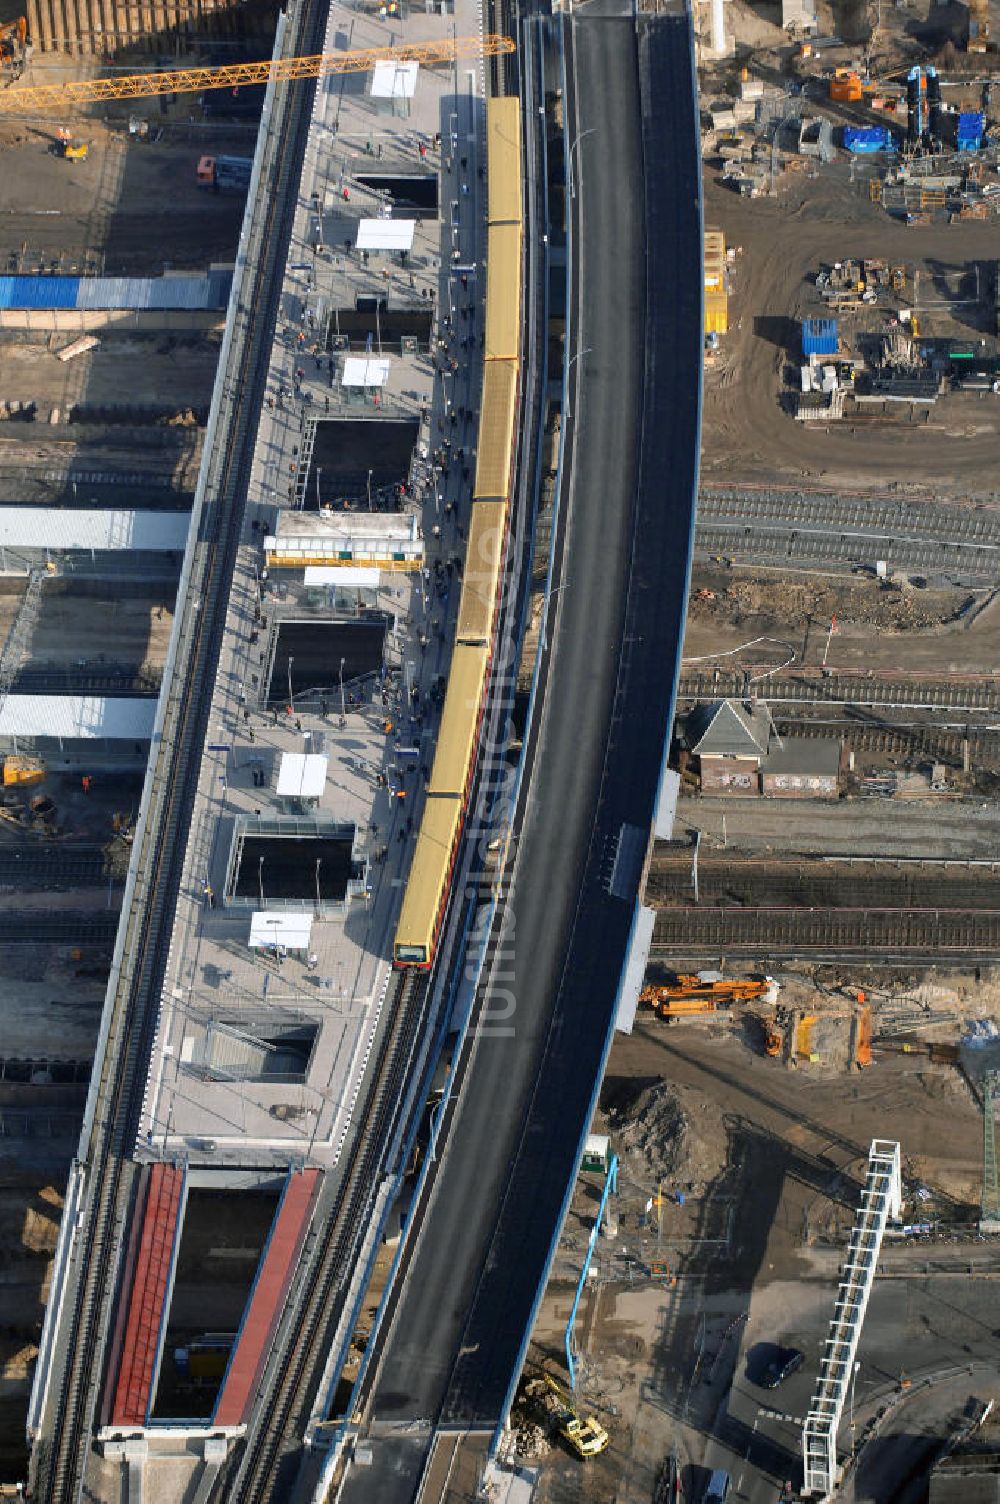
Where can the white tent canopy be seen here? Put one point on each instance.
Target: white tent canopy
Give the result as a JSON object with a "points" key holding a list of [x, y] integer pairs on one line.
{"points": [[341, 574], [275, 927], [365, 370], [302, 775], [394, 80], [386, 234]]}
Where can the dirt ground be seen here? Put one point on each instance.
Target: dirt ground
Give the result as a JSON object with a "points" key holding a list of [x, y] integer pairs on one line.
{"points": [[746, 435], [769, 1161], [895, 626], [74, 629], [131, 209], [29, 1219], [126, 370]]}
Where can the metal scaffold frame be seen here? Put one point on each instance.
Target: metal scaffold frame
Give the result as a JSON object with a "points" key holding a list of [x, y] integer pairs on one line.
{"points": [[881, 1198]]}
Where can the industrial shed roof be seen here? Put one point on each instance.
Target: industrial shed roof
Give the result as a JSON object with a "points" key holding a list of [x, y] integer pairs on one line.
{"points": [[77, 717], [49, 528], [202, 291]]}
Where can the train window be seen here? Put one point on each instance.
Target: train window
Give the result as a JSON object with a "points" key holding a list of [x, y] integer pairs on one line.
{"points": [[411, 953]]}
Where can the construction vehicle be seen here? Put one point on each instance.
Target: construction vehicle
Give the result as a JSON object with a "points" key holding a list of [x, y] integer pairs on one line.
{"points": [[41, 97], [13, 48], [706, 993], [585, 1436], [772, 1036], [225, 173], [71, 151]]}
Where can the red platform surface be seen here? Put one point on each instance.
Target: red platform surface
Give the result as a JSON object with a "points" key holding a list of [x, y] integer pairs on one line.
{"points": [[267, 1298], [149, 1288]]}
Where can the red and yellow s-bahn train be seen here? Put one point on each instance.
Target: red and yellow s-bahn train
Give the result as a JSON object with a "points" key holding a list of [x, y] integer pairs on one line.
{"points": [[429, 882]]}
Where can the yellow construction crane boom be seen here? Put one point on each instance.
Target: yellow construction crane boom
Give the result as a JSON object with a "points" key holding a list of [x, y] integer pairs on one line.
{"points": [[43, 97]]}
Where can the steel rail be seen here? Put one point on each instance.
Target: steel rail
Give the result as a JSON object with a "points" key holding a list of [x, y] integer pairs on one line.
{"points": [[60, 1462]]}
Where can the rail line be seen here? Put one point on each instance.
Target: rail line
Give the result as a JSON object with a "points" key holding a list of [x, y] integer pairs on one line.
{"points": [[53, 867], [60, 1458], [883, 515], [780, 540], [266, 1468], [867, 936], [761, 884], [840, 689]]}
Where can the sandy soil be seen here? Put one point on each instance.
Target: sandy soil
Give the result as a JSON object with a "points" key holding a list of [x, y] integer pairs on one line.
{"points": [[161, 369], [746, 435], [131, 209], [73, 629], [895, 627], [787, 1149]]}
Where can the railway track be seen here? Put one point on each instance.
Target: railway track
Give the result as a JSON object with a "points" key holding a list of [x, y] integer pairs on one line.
{"points": [[827, 545], [37, 927], [60, 1456], [126, 682], [761, 884], [53, 867], [911, 741], [864, 936], [881, 515], [267, 1467], [960, 695]]}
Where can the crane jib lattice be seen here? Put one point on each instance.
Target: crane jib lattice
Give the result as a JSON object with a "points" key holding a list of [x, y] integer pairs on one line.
{"points": [[23, 100]]}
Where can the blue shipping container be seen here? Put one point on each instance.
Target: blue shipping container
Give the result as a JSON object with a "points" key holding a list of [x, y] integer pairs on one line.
{"points": [[819, 337], [863, 139]]}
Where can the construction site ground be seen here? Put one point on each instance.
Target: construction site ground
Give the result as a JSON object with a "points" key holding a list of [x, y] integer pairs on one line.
{"points": [[770, 1161], [892, 627], [133, 208], [101, 627], [747, 434], [118, 425]]}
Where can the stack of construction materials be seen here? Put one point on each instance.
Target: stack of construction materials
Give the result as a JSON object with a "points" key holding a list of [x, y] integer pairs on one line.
{"points": [[716, 293]]}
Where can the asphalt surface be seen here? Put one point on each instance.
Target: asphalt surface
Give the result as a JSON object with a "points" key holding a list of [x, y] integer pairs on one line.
{"points": [[527, 1094]]}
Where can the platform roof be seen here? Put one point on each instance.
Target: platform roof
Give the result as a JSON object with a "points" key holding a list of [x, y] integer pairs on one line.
{"points": [[365, 371], [291, 928], [77, 717], [302, 775], [394, 80], [386, 234], [59, 530], [341, 574], [345, 525]]}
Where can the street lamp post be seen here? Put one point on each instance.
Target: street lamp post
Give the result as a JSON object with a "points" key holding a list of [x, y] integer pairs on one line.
{"points": [[319, 901], [319, 472], [545, 614], [291, 697], [260, 879], [369, 490], [343, 709], [569, 367], [569, 159]]}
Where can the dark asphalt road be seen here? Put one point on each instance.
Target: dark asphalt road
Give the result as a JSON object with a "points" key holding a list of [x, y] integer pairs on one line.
{"points": [[526, 1096]]}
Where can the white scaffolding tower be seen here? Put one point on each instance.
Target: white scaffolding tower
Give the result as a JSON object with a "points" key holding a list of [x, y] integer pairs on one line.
{"points": [[881, 1199]]}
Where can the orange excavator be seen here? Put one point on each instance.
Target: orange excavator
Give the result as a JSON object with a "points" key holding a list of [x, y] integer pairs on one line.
{"points": [[13, 48], [707, 992]]}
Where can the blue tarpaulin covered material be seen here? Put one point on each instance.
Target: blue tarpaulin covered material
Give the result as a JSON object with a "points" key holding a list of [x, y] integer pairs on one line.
{"points": [[819, 337], [969, 131], [204, 291], [861, 139]]}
